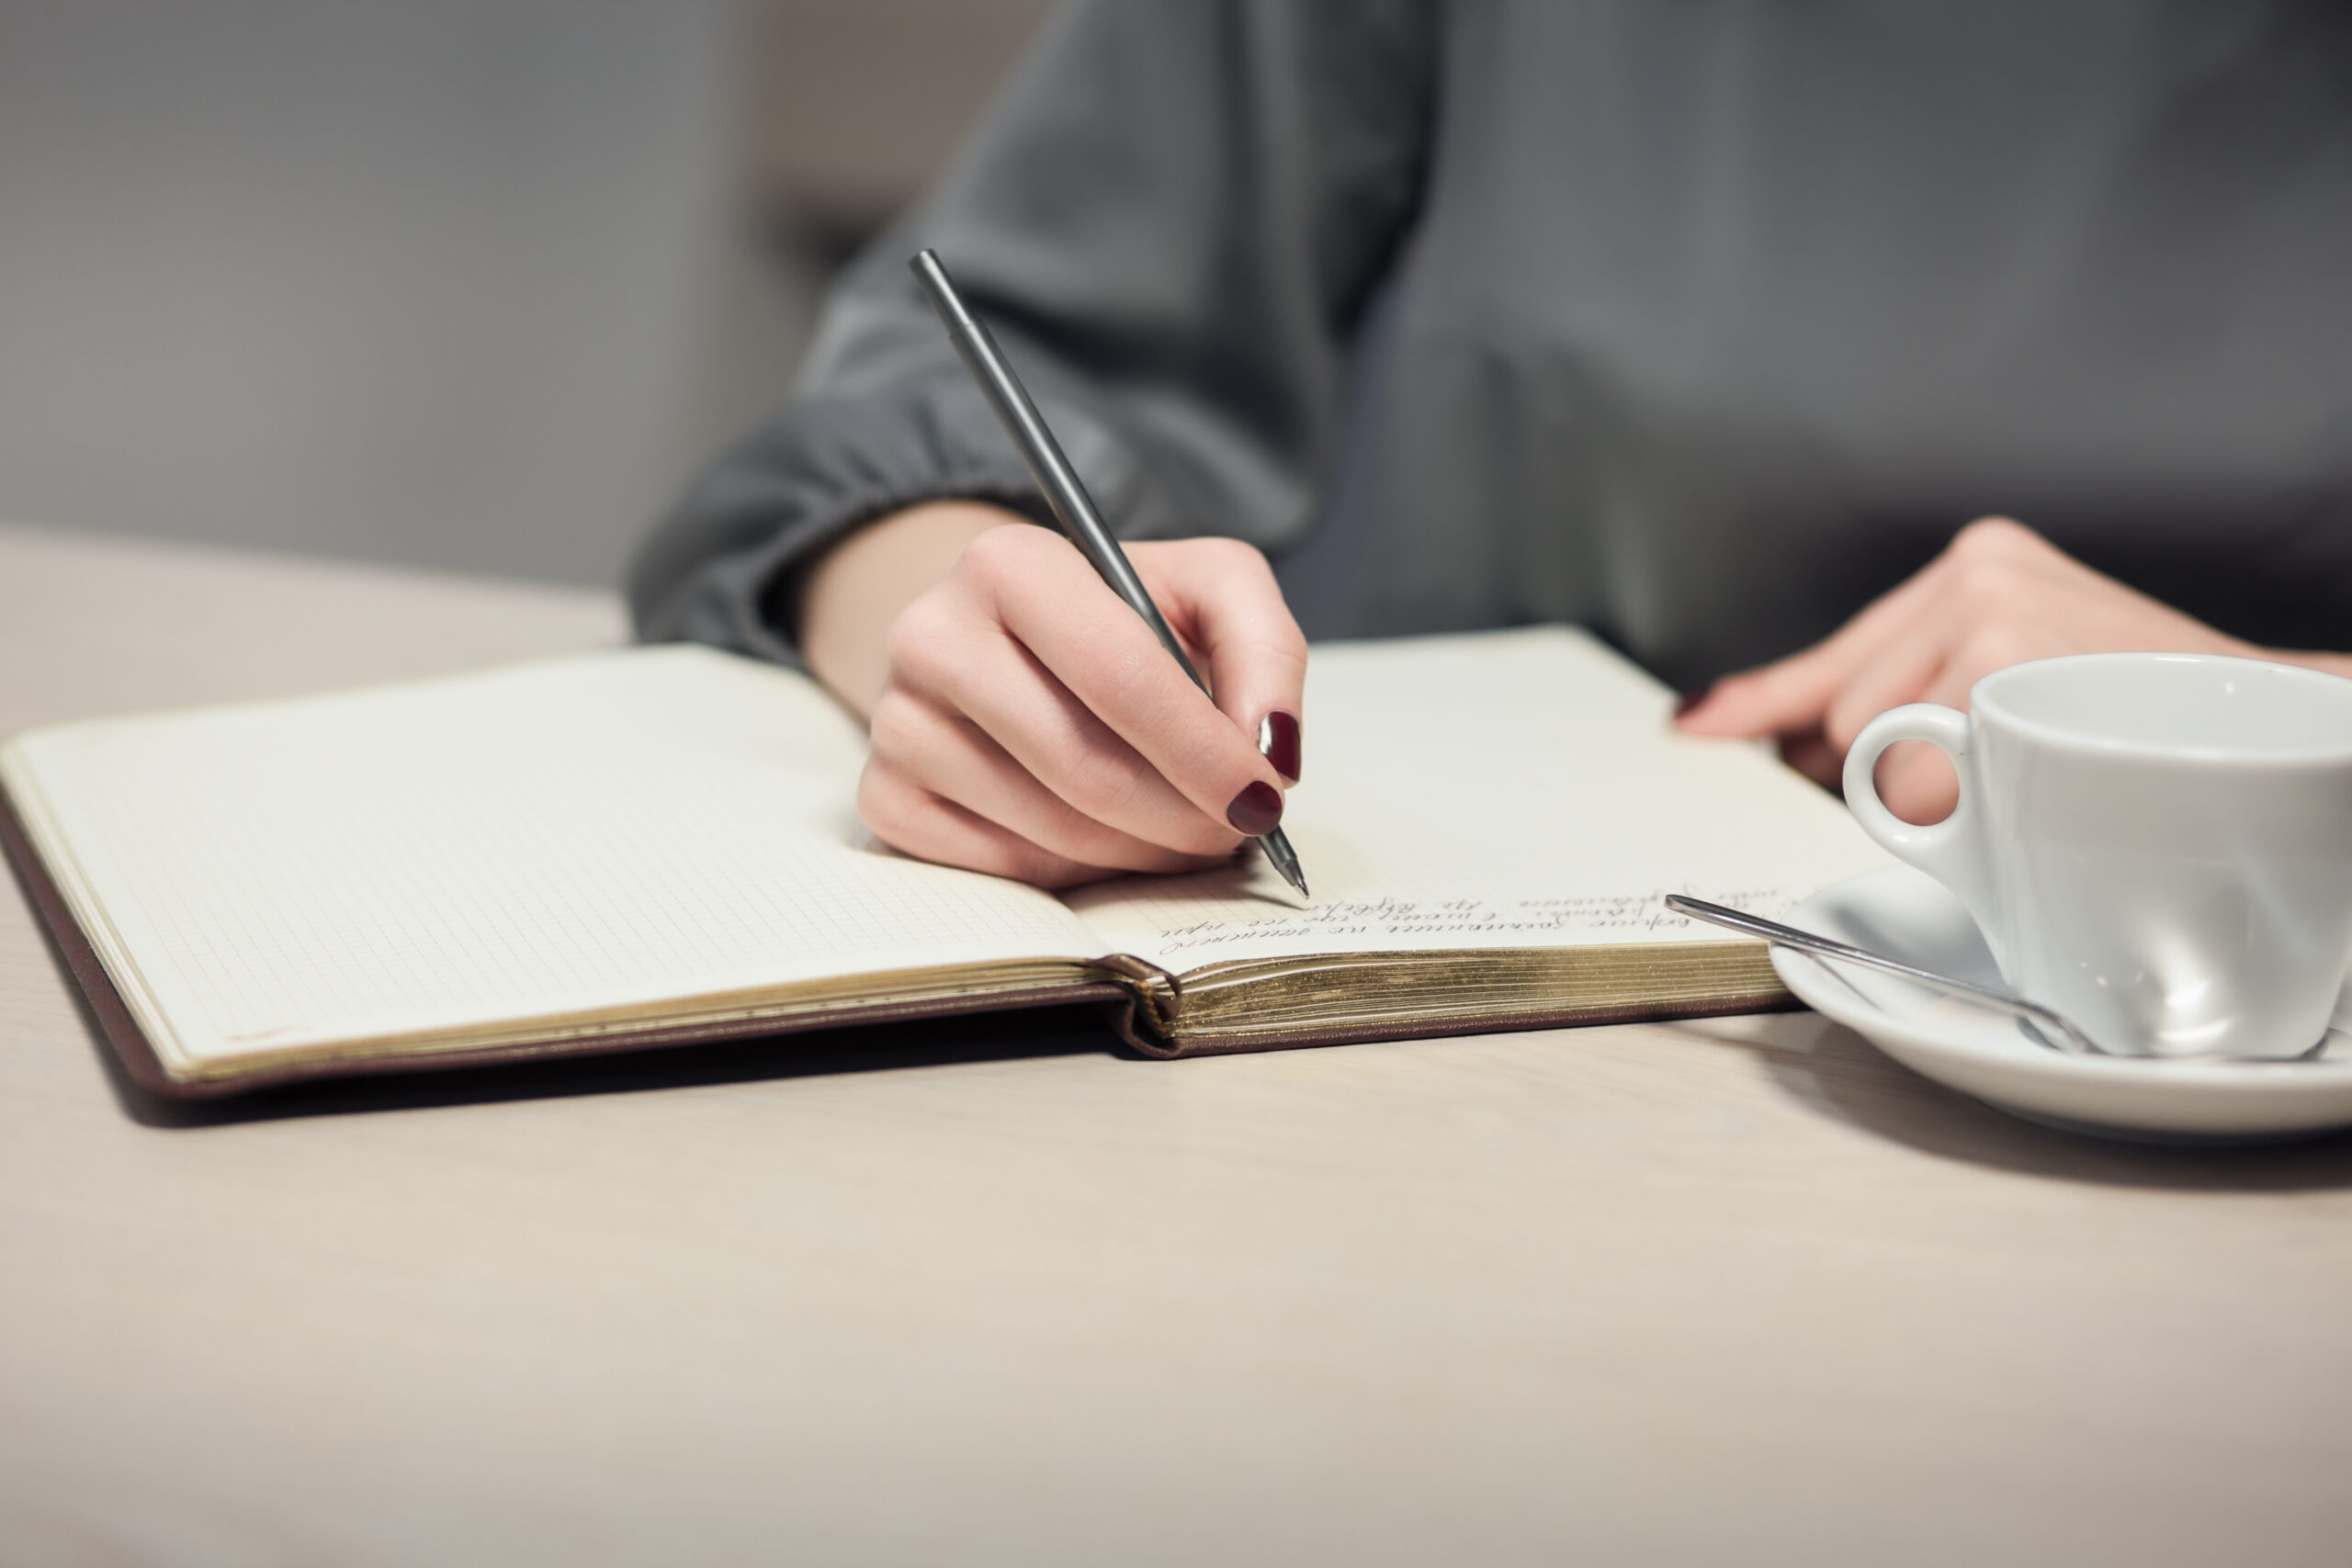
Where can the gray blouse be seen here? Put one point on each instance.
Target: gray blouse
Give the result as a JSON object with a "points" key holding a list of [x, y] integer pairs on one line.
{"points": [[1697, 323]]}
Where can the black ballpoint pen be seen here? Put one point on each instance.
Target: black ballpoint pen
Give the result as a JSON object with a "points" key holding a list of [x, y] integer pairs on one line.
{"points": [[1072, 507]]}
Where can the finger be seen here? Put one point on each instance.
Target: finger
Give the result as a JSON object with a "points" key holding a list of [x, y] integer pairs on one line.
{"points": [[1916, 782], [1221, 596], [1101, 650], [1795, 693], [1902, 671], [956, 656], [914, 821], [949, 756], [1956, 676]]}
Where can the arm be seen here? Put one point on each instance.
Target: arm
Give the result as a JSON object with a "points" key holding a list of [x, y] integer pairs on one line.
{"points": [[859, 587], [1173, 226], [1173, 223]]}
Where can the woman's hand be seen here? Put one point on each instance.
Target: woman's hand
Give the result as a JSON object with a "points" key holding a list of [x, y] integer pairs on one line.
{"points": [[1999, 595], [1025, 721]]}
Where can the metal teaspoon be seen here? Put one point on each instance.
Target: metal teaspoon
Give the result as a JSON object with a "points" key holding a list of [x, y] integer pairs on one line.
{"points": [[2046, 1027]]}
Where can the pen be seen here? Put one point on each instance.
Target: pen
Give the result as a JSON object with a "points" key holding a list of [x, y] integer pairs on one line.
{"points": [[1072, 507]]}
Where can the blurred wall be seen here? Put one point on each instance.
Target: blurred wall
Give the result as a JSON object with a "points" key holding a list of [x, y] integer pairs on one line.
{"points": [[455, 283]]}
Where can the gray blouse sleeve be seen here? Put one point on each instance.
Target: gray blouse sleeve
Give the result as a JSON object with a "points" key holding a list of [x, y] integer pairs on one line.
{"points": [[1171, 221]]}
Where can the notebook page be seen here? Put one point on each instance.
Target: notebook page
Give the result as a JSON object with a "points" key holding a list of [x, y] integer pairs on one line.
{"points": [[1506, 789], [609, 829]]}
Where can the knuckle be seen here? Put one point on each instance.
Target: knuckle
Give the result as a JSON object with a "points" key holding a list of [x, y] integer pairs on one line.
{"points": [[889, 728], [1081, 839], [918, 640], [1100, 786], [886, 805], [1284, 642], [909, 736], [1071, 833], [997, 559], [990, 549], [1129, 677], [1986, 582], [1978, 538], [1995, 646], [1229, 554], [2000, 538]]}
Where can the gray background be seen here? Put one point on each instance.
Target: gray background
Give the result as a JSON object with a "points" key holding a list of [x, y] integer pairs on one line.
{"points": [[465, 283]]}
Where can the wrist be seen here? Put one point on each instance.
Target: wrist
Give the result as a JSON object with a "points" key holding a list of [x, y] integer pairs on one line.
{"points": [[853, 591]]}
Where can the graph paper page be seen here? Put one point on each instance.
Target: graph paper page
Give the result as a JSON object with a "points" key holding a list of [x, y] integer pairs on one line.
{"points": [[1507, 789], [609, 829]]}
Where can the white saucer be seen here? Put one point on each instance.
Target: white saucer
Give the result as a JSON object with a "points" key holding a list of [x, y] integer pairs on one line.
{"points": [[1907, 915]]}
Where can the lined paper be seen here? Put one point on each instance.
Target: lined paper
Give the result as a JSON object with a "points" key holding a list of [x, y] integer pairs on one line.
{"points": [[611, 830]]}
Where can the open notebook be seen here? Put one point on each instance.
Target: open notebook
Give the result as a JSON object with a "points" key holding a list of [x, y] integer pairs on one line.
{"points": [[659, 844]]}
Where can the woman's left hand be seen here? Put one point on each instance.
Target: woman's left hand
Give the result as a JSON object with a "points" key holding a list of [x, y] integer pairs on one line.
{"points": [[1999, 594]]}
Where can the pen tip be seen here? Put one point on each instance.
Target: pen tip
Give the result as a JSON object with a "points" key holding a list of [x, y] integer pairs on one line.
{"points": [[1280, 855]]}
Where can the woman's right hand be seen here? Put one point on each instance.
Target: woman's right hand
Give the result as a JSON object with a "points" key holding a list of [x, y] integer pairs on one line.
{"points": [[1025, 721]]}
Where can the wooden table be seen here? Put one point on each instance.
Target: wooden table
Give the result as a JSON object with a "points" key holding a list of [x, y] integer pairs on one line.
{"points": [[1742, 1290]]}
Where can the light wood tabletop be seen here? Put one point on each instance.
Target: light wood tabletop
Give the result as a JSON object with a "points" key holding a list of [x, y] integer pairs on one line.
{"points": [[985, 1293]]}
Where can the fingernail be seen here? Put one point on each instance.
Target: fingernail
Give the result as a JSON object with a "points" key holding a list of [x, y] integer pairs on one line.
{"points": [[1256, 809], [1278, 742], [1689, 700]]}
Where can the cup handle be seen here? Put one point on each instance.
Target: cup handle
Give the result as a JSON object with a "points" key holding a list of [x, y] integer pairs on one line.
{"points": [[1951, 851]]}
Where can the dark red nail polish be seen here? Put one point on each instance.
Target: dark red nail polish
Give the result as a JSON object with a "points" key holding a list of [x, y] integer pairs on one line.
{"points": [[1256, 809], [1689, 700], [1278, 742]]}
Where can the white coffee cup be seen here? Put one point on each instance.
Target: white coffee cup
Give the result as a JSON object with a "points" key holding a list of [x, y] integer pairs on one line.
{"points": [[2158, 845]]}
